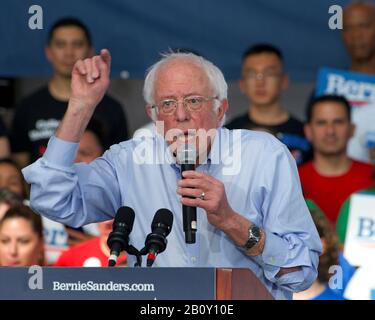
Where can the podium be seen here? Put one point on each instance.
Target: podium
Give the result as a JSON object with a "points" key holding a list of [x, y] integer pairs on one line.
{"points": [[60, 283], [239, 284]]}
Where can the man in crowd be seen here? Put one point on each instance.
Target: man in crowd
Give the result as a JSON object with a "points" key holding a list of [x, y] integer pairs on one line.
{"points": [[263, 81], [359, 40], [38, 116], [359, 36], [331, 176]]}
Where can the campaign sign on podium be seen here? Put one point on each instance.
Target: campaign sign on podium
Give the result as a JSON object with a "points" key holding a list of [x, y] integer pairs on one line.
{"points": [[48, 283], [54, 283], [360, 232]]}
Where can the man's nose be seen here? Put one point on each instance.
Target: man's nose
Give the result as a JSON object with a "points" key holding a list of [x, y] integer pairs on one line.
{"points": [[181, 113], [330, 129], [69, 50], [356, 34], [260, 79]]}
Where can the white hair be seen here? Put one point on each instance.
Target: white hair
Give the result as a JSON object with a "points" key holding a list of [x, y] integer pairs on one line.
{"points": [[215, 76]]}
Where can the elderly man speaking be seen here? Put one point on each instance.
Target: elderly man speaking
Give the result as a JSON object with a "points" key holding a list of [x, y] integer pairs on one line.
{"points": [[250, 208]]}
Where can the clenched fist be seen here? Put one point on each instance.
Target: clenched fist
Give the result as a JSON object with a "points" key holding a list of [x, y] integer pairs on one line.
{"points": [[90, 80]]}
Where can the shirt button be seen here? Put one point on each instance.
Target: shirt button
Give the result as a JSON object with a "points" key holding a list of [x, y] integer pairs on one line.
{"points": [[271, 260], [193, 259]]}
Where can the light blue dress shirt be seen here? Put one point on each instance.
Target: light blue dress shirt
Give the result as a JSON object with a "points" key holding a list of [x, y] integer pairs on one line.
{"points": [[261, 183]]}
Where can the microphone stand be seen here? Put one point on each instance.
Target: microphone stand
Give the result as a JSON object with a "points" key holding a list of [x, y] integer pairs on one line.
{"points": [[135, 252]]}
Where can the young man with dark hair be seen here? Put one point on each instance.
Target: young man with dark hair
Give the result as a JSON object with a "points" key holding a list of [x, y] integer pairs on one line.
{"points": [[331, 176], [263, 80], [38, 116], [69, 22]]}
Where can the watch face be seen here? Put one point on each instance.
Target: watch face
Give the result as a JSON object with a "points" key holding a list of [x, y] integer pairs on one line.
{"points": [[255, 232], [254, 237]]}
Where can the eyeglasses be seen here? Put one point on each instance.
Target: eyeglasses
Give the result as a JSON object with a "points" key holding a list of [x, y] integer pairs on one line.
{"points": [[191, 103], [253, 75]]}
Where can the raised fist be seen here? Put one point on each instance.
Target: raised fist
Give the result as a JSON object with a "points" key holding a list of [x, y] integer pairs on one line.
{"points": [[90, 80]]}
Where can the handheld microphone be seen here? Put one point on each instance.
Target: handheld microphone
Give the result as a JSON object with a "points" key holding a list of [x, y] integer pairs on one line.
{"points": [[118, 239], [156, 241], [187, 157]]}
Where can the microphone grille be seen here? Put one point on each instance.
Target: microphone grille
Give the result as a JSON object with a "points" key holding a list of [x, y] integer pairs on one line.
{"points": [[125, 215], [163, 216], [186, 154]]}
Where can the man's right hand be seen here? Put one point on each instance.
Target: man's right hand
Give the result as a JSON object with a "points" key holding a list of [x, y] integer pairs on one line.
{"points": [[90, 81]]}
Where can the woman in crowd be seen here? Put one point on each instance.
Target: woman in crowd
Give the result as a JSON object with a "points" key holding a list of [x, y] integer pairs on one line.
{"points": [[21, 238], [56, 238], [320, 289]]}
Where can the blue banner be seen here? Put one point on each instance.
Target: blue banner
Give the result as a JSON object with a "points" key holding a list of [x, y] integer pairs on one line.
{"points": [[137, 31]]}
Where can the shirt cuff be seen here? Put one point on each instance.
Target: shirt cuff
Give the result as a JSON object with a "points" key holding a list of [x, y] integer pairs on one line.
{"points": [[275, 251], [276, 255], [60, 152]]}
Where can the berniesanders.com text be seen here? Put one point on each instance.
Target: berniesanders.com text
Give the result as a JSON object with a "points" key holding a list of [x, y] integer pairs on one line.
{"points": [[102, 286]]}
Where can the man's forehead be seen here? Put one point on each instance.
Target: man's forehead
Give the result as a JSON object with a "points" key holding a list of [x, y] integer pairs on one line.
{"points": [[324, 108], [65, 32], [265, 59], [180, 67], [181, 73], [360, 10]]}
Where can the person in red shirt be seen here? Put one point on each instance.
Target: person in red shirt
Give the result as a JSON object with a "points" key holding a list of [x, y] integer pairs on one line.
{"points": [[331, 176], [91, 253]]}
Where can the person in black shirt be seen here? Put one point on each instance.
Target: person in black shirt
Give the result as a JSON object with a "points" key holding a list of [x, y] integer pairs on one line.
{"points": [[38, 116], [263, 80]]}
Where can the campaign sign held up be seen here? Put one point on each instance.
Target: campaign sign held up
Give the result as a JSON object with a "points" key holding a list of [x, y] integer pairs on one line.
{"points": [[360, 232]]}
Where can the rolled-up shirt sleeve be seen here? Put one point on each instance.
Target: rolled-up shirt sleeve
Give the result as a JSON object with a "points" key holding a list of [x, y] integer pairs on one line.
{"points": [[73, 194], [291, 236]]}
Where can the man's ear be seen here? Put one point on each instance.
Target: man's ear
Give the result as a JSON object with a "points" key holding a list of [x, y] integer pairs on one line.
{"points": [[223, 108], [151, 112], [47, 52], [307, 130], [285, 81], [242, 85]]}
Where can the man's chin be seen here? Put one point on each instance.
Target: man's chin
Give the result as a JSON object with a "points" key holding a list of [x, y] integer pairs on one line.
{"points": [[263, 102], [332, 152], [361, 55], [65, 73], [68, 76]]}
